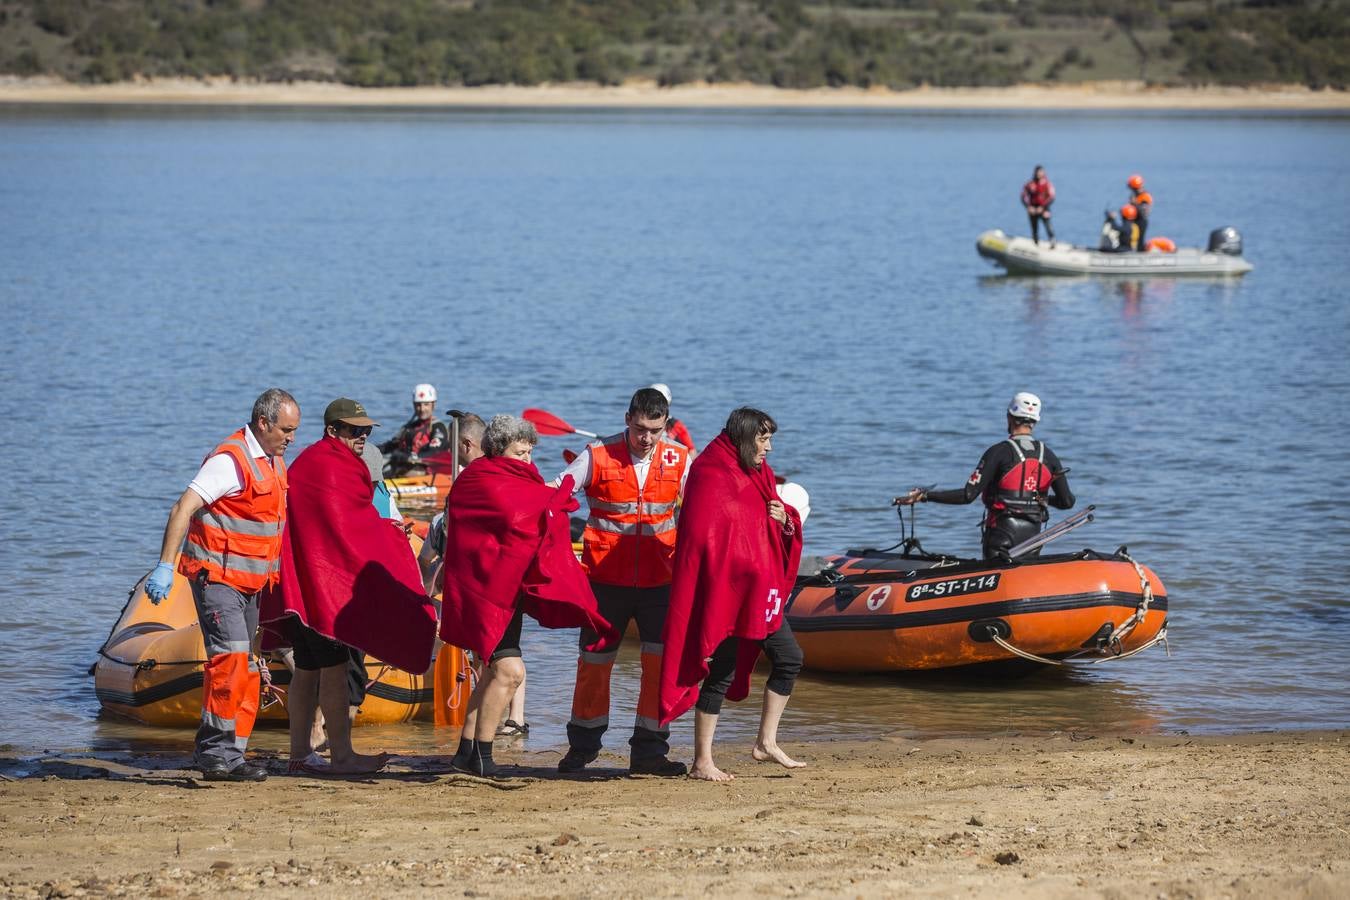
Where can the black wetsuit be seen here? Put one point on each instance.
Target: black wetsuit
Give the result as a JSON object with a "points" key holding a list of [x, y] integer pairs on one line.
{"points": [[1015, 512]]}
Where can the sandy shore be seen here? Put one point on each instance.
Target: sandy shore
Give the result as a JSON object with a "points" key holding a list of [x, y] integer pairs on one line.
{"points": [[1062, 816], [1097, 95]]}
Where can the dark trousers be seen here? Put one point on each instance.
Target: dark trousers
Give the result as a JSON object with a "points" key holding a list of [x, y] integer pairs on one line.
{"points": [[784, 655], [1035, 219], [1007, 532], [590, 697]]}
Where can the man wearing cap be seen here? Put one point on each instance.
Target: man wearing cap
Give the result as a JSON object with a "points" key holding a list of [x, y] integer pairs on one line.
{"points": [[231, 515], [323, 663], [633, 481], [422, 435], [1016, 477]]}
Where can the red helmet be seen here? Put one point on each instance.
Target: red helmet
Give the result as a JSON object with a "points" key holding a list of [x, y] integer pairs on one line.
{"points": [[1135, 182], [1129, 212]]}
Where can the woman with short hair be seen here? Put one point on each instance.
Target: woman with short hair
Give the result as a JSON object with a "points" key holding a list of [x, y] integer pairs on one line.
{"points": [[508, 552], [735, 564]]}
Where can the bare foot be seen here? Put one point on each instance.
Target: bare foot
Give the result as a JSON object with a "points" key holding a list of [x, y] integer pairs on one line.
{"points": [[359, 764], [709, 772], [775, 754]]}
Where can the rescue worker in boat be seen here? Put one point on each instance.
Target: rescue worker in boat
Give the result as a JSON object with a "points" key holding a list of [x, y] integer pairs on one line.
{"points": [[633, 481], [1017, 478], [1037, 196], [1122, 236], [674, 427], [422, 435], [231, 515], [1142, 201]]}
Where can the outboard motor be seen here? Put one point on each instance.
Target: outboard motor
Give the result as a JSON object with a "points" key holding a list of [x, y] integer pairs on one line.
{"points": [[1225, 240]]}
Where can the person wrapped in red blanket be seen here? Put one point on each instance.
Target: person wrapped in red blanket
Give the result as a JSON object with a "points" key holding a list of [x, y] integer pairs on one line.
{"points": [[508, 552], [348, 579], [735, 564]]}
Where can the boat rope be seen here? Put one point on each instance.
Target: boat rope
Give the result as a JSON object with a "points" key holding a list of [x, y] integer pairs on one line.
{"points": [[1111, 647]]}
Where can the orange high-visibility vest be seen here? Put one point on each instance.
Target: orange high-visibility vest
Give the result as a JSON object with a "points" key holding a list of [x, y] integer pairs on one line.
{"points": [[237, 540], [630, 534]]}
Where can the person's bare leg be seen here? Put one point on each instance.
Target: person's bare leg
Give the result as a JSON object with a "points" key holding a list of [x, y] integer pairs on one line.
{"points": [[517, 711], [302, 706], [705, 725], [499, 684], [766, 745], [333, 700]]}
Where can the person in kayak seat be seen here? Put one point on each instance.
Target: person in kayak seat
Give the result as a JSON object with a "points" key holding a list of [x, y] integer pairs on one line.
{"points": [[1037, 195], [1016, 477], [422, 435], [1123, 236]]}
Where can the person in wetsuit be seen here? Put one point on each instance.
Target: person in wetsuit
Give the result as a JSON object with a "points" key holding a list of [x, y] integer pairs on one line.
{"points": [[422, 435], [1016, 478], [1037, 195]]}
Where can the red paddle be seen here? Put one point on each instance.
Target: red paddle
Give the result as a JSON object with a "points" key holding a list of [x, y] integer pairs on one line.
{"points": [[549, 424]]}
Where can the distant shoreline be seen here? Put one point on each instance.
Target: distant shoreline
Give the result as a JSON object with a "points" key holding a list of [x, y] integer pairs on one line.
{"points": [[647, 95]]}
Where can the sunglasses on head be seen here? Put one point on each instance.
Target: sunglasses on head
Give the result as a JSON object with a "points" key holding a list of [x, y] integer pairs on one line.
{"points": [[355, 431]]}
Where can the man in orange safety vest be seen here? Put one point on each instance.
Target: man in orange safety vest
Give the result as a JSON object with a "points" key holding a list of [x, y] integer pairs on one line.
{"points": [[231, 515], [633, 481]]}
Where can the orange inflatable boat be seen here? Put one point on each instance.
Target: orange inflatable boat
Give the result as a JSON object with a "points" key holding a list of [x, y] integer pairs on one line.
{"points": [[150, 671], [870, 611]]}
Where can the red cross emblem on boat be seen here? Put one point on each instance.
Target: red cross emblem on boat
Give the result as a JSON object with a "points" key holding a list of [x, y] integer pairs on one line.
{"points": [[669, 456]]}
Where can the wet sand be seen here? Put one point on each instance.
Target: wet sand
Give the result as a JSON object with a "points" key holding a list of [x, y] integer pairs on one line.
{"points": [[645, 94], [1068, 815]]}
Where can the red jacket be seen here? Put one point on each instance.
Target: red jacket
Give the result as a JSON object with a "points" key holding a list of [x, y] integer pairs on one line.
{"points": [[1038, 193]]}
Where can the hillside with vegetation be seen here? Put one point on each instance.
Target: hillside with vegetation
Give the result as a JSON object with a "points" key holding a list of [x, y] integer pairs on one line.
{"points": [[865, 43]]}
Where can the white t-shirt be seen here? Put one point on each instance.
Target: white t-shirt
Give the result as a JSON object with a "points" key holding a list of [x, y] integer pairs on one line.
{"points": [[220, 477]]}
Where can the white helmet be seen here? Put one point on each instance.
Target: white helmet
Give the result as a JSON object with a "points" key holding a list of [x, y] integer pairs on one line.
{"points": [[1025, 406], [424, 393], [660, 389], [794, 495]]}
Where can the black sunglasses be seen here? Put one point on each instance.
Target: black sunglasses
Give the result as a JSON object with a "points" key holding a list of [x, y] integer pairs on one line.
{"points": [[356, 431]]}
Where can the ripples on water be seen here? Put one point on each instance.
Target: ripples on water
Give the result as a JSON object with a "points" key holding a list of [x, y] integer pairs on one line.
{"points": [[818, 265]]}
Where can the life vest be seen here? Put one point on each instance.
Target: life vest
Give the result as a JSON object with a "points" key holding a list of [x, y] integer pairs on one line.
{"points": [[1038, 193], [1021, 490], [1161, 244], [237, 540], [416, 434], [630, 534], [677, 431]]}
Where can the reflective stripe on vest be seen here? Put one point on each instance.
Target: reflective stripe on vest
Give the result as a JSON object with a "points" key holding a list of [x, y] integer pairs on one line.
{"points": [[630, 534], [237, 540]]}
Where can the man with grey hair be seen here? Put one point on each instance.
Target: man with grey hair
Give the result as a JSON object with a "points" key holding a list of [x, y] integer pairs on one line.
{"points": [[231, 515]]}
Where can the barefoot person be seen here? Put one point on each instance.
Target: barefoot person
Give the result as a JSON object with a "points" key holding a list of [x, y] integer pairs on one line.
{"points": [[348, 579], [508, 552], [735, 564]]}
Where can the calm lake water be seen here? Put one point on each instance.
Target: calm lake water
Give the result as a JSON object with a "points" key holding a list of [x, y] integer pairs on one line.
{"points": [[158, 268]]}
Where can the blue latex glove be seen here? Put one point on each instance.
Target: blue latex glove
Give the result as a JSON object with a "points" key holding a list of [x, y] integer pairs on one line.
{"points": [[158, 584]]}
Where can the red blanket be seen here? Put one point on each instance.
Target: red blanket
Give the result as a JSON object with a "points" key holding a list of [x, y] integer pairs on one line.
{"points": [[347, 572], [508, 541], [734, 571]]}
